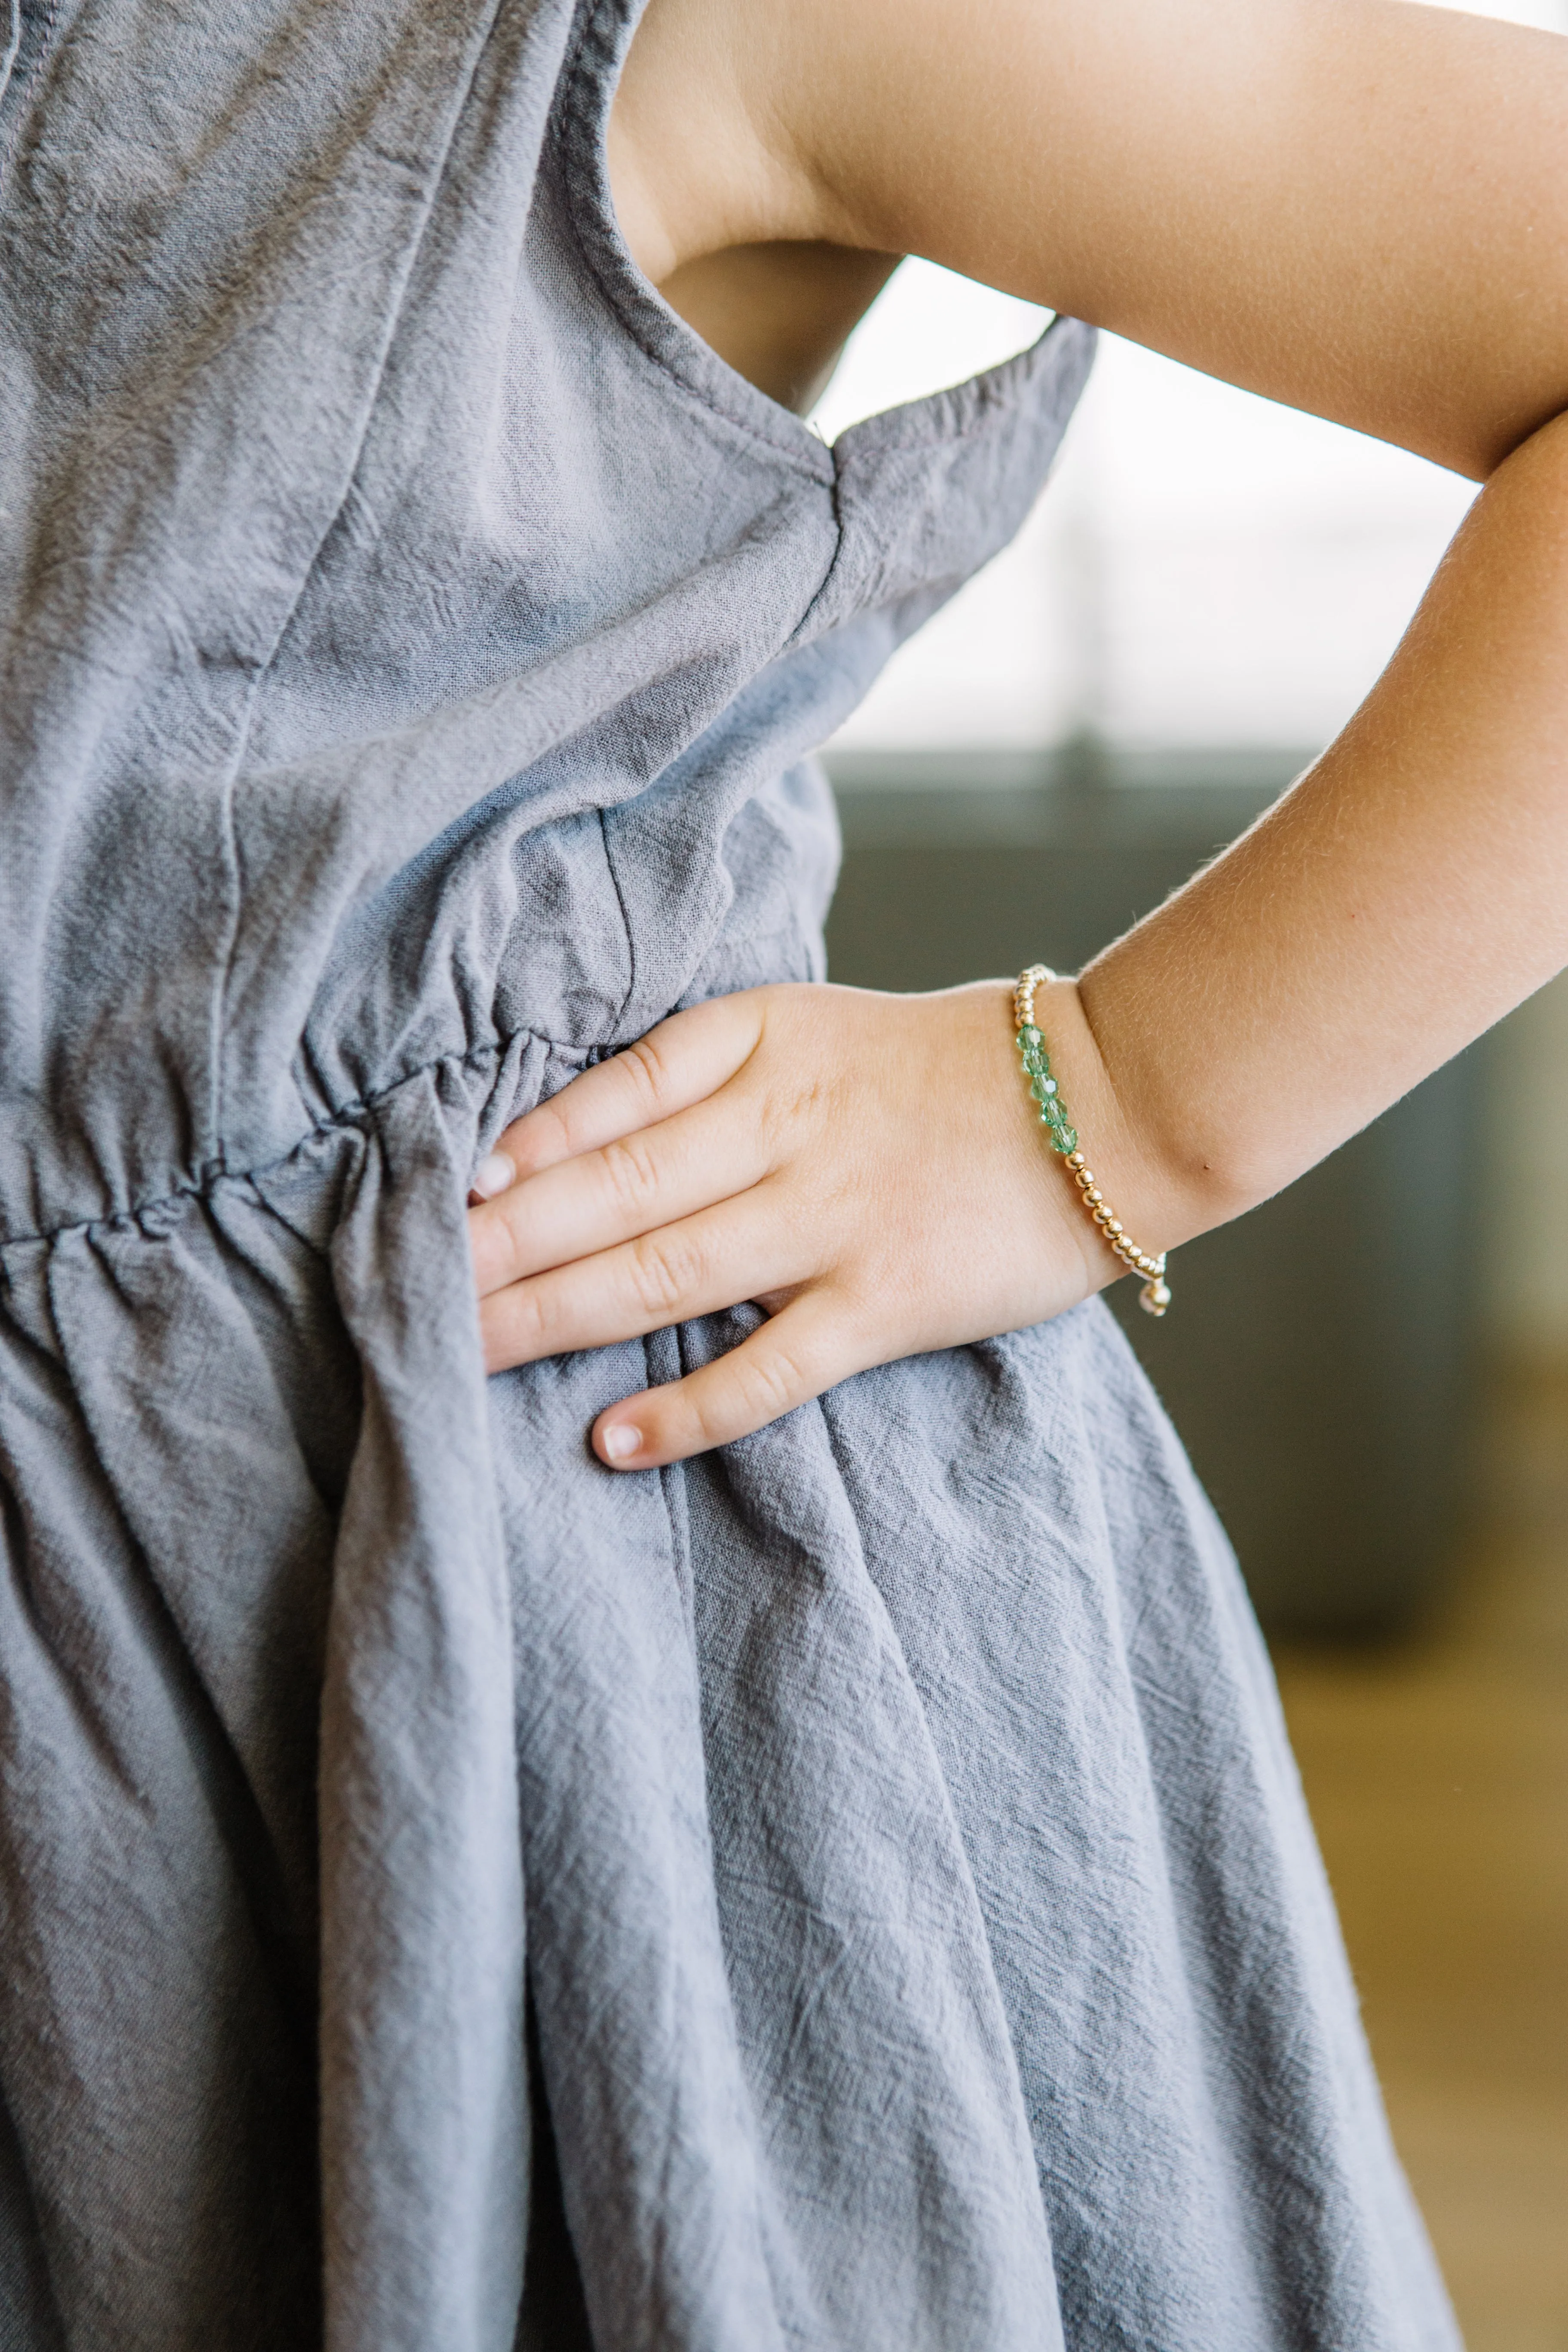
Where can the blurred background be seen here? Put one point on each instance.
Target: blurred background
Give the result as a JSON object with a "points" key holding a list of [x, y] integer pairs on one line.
{"points": [[1371, 1372]]}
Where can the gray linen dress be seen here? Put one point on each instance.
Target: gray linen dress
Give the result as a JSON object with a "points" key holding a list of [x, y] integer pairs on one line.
{"points": [[870, 1855]]}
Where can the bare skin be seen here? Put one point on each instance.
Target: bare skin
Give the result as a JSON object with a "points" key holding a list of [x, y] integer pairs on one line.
{"points": [[780, 314], [1351, 205]]}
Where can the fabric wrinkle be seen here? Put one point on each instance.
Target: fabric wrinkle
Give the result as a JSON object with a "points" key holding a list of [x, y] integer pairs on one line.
{"points": [[848, 1890]]}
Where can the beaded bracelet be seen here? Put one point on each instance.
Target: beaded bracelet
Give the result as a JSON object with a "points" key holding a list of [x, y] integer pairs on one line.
{"points": [[1156, 1295]]}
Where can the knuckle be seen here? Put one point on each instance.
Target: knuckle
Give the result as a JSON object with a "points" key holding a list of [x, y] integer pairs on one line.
{"points": [[663, 1272], [630, 1172], [772, 1381], [549, 1132], [786, 1115], [648, 1070]]}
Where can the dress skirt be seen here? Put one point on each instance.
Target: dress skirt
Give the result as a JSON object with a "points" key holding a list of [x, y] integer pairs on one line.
{"points": [[849, 1893]]}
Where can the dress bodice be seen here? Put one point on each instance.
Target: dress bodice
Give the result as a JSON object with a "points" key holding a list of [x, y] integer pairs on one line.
{"points": [[390, 578]]}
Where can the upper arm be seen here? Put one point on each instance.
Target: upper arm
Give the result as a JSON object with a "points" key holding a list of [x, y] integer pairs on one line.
{"points": [[1356, 206]]}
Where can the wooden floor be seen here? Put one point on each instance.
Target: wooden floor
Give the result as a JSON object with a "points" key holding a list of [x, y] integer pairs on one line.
{"points": [[1437, 1775]]}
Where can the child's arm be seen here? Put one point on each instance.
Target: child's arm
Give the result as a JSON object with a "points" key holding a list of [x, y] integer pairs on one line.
{"points": [[1355, 207]]}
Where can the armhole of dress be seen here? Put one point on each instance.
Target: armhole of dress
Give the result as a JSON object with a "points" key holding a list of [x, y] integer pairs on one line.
{"points": [[604, 35], [588, 87]]}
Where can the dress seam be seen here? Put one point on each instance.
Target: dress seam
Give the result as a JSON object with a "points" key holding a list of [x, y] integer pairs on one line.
{"points": [[572, 136], [223, 973], [20, 90], [342, 1117]]}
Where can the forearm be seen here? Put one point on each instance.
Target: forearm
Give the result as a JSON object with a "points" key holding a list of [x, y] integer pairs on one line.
{"points": [[1412, 888], [1408, 892]]}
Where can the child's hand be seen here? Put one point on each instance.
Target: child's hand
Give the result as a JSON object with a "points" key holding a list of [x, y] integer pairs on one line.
{"points": [[865, 1166]]}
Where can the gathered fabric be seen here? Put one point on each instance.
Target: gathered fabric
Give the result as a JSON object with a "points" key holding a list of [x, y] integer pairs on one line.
{"points": [[849, 1890]]}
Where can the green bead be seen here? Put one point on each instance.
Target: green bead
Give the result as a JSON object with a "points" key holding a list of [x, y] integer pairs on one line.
{"points": [[1029, 1037], [1043, 1088]]}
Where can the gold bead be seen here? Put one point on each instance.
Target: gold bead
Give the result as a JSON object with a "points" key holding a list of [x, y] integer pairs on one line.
{"points": [[1102, 1216], [1093, 1194], [1075, 1160], [1113, 1225]]}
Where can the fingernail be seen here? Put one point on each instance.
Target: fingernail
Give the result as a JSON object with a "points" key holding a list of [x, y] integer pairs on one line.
{"points": [[493, 1174], [621, 1441]]}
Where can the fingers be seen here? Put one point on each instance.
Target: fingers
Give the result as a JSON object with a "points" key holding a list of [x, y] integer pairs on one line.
{"points": [[743, 1248], [654, 1176], [680, 1063], [794, 1356]]}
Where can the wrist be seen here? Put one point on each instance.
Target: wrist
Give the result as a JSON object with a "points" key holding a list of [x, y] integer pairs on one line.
{"points": [[1135, 1182]]}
